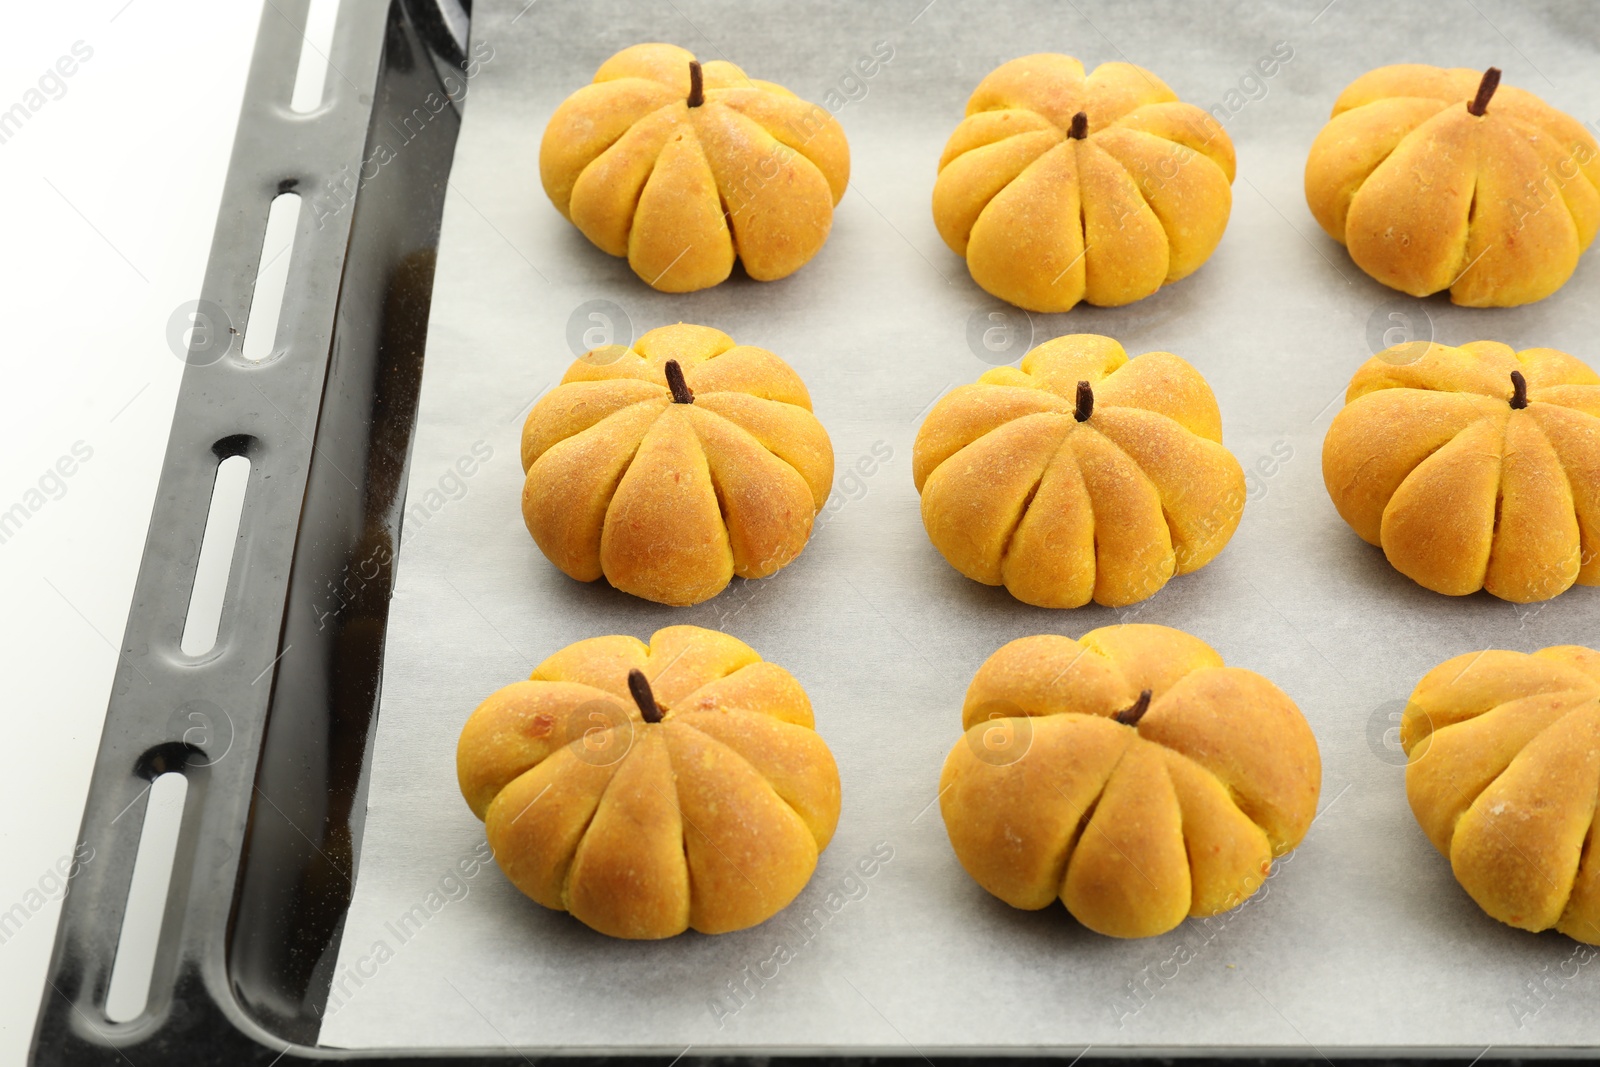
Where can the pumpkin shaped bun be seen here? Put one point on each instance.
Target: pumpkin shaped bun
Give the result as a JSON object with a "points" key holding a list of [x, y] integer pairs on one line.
{"points": [[1130, 774], [673, 465], [1473, 468], [1504, 770], [1082, 475], [1435, 180], [1059, 187], [651, 789], [683, 168]]}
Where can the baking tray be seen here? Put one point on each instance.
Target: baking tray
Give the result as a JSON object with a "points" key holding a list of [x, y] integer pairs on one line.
{"points": [[286, 699], [1364, 919]]}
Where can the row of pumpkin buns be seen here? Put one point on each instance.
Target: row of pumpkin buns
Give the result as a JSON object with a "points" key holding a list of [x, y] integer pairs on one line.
{"points": [[672, 465], [1060, 185], [649, 789]]}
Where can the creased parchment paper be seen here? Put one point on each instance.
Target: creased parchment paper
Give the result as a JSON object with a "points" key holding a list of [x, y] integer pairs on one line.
{"points": [[1360, 939]]}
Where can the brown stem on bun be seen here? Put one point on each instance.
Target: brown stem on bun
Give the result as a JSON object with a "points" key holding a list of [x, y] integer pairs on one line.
{"points": [[681, 393], [1085, 402], [1486, 88], [639, 686], [1131, 716], [697, 84]]}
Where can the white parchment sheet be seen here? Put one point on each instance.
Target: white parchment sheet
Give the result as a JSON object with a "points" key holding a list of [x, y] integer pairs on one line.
{"points": [[1361, 938]]}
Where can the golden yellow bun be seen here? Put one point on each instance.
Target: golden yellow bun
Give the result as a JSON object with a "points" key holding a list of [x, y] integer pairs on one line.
{"points": [[752, 171], [1048, 215], [1063, 787], [1432, 459], [667, 499], [711, 817], [1504, 770], [1017, 491], [1426, 195]]}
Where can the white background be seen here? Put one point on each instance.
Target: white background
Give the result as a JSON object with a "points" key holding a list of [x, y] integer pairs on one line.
{"points": [[110, 197]]}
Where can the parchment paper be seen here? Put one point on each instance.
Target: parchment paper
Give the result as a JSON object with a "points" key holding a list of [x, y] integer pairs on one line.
{"points": [[1361, 938]]}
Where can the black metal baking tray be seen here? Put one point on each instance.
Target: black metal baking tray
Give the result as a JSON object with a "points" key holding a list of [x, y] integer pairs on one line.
{"points": [[276, 787]]}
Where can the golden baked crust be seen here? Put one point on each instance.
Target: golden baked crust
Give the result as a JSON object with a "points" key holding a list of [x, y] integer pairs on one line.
{"points": [[681, 188], [1496, 207], [1433, 459], [1048, 213], [710, 818], [1017, 491], [669, 500], [1503, 776], [1051, 794]]}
